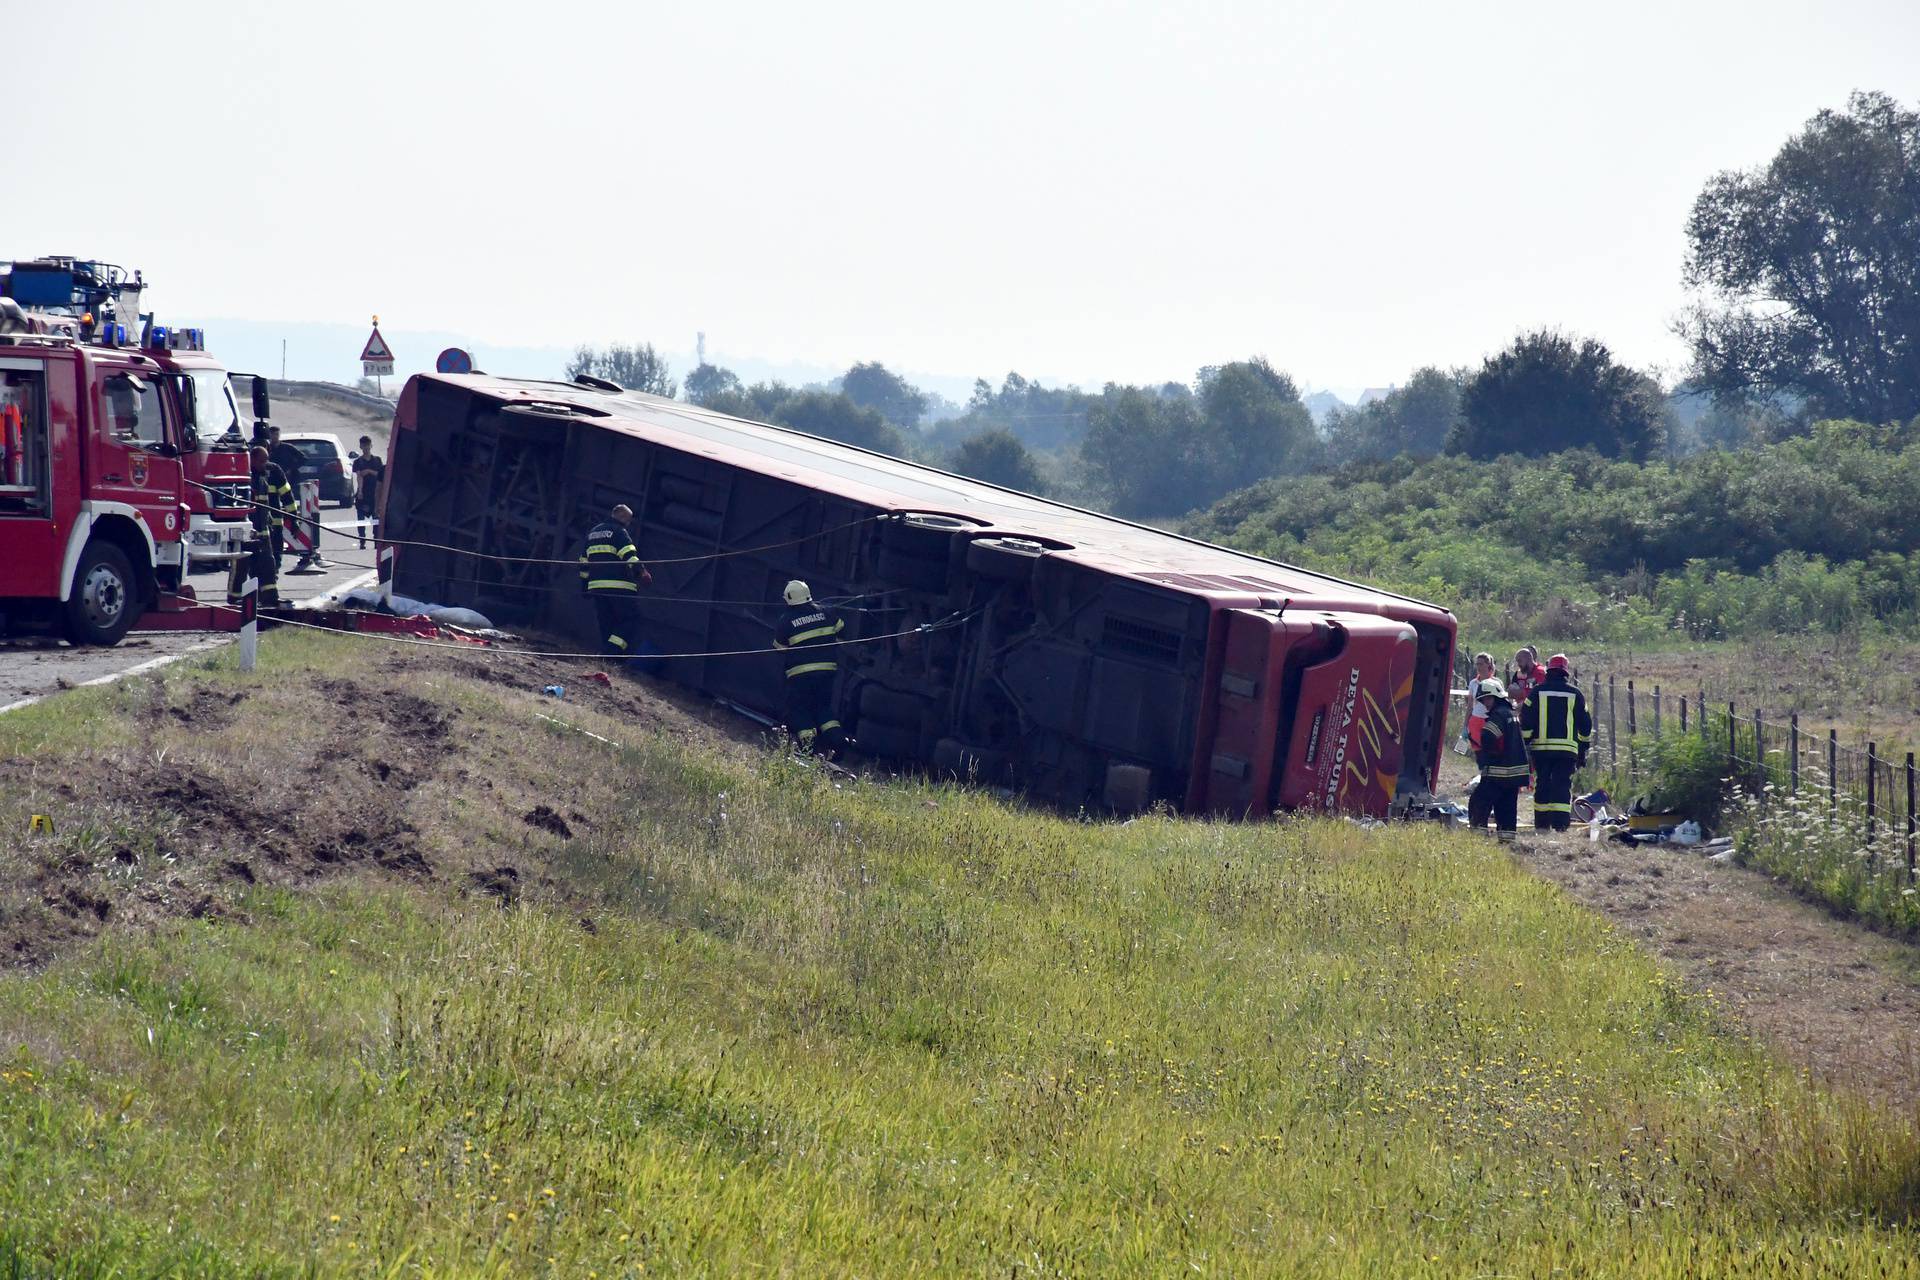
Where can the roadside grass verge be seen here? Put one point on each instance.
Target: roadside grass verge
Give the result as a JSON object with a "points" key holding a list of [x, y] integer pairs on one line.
{"points": [[749, 1017]]}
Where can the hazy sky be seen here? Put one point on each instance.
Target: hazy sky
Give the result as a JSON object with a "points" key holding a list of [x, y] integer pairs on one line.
{"points": [[1081, 192]]}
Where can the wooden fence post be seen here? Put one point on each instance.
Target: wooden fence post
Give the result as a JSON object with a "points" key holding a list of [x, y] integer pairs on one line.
{"points": [[1633, 720], [1760, 743], [1833, 770], [1873, 776], [1683, 713], [1910, 821], [1793, 754], [1733, 745], [1700, 705], [1656, 711], [1613, 737]]}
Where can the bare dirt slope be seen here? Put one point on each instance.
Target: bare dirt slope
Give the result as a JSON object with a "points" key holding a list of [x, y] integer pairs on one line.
{"points": [[208, 787]]}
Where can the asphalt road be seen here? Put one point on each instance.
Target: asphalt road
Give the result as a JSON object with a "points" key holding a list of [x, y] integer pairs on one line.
{"points": [[34, 667]]}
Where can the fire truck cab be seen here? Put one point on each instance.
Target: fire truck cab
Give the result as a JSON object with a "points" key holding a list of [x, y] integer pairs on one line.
{"points": [[101, 437]]}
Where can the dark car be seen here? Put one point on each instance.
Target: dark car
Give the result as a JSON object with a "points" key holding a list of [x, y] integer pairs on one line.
{"points": [[322, 459]]}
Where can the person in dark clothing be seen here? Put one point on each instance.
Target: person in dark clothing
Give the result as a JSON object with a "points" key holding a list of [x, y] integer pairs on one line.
{"points": [[1558, 731], [259, 560], [1502, 754], [271, 504], [611, 575], [813, 724], [369, 469]]}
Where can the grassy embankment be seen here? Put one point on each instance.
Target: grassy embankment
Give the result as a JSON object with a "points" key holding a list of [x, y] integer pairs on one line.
{"points": [[746, 1017]]}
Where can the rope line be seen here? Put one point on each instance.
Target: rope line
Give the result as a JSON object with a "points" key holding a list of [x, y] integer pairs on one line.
{"points": [[483, 555], [844, 603], [926, 628]]}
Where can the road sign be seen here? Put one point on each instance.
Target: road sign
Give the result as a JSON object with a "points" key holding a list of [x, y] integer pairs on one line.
{"points": [[376, 358], [453, 360]]}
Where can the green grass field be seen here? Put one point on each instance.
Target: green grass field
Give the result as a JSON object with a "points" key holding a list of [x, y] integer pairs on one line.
{"points": [[750, 1020]]}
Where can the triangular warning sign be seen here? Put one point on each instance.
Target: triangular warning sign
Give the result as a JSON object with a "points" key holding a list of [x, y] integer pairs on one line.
{"points": [[376, 348]]}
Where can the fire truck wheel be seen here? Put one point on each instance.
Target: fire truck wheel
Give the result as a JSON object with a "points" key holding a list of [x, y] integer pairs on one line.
{"points": [[106, 598]]}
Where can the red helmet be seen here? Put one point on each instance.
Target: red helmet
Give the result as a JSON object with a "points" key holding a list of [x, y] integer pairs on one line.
{"points": [[1558, 662]]}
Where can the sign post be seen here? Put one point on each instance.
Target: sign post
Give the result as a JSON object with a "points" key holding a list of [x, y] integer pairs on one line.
{"points": [[376, 358]]}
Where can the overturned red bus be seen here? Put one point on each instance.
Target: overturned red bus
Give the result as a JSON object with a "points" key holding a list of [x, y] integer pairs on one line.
{"points": [[1080, 658]]}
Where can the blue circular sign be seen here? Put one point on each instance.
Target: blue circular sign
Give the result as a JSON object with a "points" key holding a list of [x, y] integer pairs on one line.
{"points": [[453, 360]]}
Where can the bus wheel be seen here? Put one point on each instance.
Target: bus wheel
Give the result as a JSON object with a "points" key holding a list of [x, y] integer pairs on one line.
{"points": [[105, 600]]}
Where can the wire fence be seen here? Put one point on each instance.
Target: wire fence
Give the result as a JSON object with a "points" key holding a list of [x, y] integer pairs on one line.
{"points": [[1863, 788]]}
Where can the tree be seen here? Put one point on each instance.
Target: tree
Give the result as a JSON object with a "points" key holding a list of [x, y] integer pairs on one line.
{"points": [[709, 382], [836, 417], [1815, 264], [873, 386], [1138, 449], [1165, 450], [1255, 426], [1546, 393], [998, 457], [637, 368], [1413, 420]]}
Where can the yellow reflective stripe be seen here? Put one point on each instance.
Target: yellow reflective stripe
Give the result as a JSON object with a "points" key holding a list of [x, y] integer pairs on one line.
{"points": [[1554, 703], [831, 724], [611, 584], [1551, 808], [628, 552], [617, 640], [1554, 749], [601, 549], [1507, 771], [816, 633], [806, 667]]}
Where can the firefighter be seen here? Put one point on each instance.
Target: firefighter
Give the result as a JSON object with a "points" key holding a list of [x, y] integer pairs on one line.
{"points": [[1558, 732], [812, 723], [272, 499], [1502, 753], [611, 575], [259, 560]]}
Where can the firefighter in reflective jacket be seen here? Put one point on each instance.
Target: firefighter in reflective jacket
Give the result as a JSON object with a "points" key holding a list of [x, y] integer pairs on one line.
{"points": [[259, 560], [1503, 764], [806, 626], [611, 575], [1558, 731]]}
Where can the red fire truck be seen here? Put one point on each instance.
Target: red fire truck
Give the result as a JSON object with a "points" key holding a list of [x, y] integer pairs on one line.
{"points": [[103, 462]]}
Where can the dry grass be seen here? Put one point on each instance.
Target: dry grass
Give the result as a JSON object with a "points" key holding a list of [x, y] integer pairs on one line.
{"points": [[748, 1016]]}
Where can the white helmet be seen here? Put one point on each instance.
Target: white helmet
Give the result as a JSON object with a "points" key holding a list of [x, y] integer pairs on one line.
{"points": [[797, 592]]}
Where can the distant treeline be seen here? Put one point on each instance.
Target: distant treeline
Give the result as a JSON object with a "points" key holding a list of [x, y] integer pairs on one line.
{"points": [[1817, 532]]}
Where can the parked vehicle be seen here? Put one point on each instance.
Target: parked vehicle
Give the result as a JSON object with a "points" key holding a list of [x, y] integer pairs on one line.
{"points": [[1084, 659], [100, 454], [322, 460]]}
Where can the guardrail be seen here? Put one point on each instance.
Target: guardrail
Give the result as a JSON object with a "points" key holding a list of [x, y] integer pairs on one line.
{"points": [[298, 390]]}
